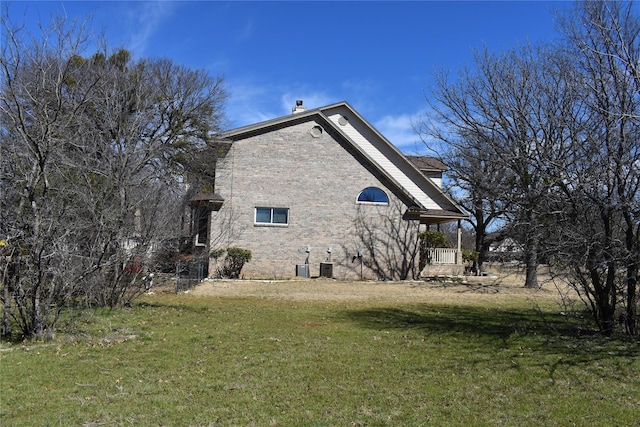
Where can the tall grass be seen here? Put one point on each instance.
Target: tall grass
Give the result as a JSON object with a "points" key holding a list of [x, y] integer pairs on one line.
{"points": [[185, 361]]}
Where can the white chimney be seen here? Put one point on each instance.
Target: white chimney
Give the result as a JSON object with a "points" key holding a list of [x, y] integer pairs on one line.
{"points": [[299, 108]]}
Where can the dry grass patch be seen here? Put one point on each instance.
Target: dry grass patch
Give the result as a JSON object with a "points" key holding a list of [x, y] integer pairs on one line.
{"points": [[503, 288]]}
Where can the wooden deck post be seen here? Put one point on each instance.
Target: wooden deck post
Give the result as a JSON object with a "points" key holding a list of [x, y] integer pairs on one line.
{"points": [[459, 251]]}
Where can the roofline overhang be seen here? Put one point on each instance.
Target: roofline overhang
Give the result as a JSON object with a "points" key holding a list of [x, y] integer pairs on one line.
{"points": [[320, 112], [409, 163], [432, 216], [396, 151], [211, 200], [248, 130]]}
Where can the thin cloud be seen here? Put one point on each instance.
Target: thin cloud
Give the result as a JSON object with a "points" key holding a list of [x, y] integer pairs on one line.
{"points": [[246, 32], [145, 20], [253, 103], [359, 87], [399, 130], [249, 103]]}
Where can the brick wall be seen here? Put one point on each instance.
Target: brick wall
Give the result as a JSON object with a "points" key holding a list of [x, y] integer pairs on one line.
{"points": [[317, 179]]}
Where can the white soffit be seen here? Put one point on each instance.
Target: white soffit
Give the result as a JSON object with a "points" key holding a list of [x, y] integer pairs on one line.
{"points": [[383, 161]]}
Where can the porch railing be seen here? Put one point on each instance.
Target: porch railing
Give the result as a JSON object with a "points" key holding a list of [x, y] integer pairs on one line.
{"points": [[441, 256]]}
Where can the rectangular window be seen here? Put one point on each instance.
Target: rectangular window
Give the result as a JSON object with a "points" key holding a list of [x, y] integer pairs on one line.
{"points": [[278, 216]]}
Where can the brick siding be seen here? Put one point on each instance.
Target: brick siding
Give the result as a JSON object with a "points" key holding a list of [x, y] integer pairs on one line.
{"points": [[317, 179]]}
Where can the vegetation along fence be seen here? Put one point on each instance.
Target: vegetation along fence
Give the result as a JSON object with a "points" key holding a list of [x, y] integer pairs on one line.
{"points": [[190, 273]]}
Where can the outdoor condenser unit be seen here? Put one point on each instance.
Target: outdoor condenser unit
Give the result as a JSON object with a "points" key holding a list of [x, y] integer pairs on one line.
{"points": [[302, 270], [326, 269]]}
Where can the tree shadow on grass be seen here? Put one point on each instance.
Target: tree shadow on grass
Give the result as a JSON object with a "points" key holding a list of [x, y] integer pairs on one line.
{"points": [[473, 287], [547, 333]]}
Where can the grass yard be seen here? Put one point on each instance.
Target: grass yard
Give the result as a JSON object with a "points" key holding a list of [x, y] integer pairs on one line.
{"points": [[198, 360]]}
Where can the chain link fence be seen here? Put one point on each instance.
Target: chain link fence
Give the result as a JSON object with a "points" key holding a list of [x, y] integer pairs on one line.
{"points": [[190, 273]]}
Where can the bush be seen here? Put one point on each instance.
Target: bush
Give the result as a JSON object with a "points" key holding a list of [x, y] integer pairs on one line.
{"points": [[430, 239], [470, 259], [233, 261], [433, 239], [470, 256]]}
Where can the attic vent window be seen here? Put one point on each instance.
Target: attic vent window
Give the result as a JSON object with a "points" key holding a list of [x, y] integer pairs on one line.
{"points": [[343, 121], [373, 195], [316, 131]]}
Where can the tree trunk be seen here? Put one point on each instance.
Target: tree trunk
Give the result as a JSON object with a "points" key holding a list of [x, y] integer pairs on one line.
{"points": [[7, 277], [37, 326], [482, 243], [531, 262], [481, 248], [631, 320], [632, 241], [607, 301]]}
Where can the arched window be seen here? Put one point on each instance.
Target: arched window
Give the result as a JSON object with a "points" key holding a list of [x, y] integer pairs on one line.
{"points": [[373, 195]]}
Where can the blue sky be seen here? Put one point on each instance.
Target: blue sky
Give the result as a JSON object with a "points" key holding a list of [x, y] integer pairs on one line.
{"points": [[378, 56]]}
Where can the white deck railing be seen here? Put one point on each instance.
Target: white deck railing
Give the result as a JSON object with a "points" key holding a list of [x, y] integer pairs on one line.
{"points": [[441, 255]]}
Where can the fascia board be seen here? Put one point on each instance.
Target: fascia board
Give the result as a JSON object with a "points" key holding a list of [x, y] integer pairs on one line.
{"points": [[368, 158], [322, 114], [249, 130], [399, 156], [406, 161]]}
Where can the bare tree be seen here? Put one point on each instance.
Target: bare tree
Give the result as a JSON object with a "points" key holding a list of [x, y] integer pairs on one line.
{"points": [[37, 272], [476, 182], [510, 116], [153, 117], [94, 152], [603, 186], [561, 124]]}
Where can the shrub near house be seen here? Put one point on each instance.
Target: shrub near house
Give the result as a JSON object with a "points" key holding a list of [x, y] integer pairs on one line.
{"points": [[232, 259]]}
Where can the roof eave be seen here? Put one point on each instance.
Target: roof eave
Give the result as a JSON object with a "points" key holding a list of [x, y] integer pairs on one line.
{"points": [[431, 216], [249, 130], [245, 131], [395, 150]]}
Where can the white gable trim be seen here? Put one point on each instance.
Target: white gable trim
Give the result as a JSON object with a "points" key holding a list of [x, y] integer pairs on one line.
{"points": [[425, 192], [376, 155], [376, 148]]}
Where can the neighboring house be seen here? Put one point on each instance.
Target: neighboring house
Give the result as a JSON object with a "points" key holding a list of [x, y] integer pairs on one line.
{"points": [[507, 249], [321, 192]]}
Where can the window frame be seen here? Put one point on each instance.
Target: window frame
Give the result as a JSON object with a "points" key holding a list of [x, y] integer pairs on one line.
{"points": [[272, 215], [202, 221], [374, 202]]}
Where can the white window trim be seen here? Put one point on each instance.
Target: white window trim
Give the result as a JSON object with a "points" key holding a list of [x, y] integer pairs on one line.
{"points": [[269, 224], [372, 203], [358, 202]]}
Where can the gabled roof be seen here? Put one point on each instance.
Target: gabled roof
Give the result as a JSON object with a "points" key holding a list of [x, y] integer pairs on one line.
{"points": [[354, 130], [427, 163]]}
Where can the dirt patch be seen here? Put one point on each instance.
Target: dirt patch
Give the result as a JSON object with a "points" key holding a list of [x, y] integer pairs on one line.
{"points": [[498, 288]]}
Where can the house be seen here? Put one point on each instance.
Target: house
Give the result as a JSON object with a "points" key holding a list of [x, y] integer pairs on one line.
{"points": [[321, 192], [430, 167], [506, 249]]}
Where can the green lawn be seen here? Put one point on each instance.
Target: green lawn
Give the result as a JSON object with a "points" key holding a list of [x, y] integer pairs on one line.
{"points": [[179, 360]]}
